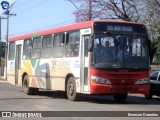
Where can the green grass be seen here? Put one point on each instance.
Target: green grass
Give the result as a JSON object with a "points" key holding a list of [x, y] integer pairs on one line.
{"points": [[1, 79]]}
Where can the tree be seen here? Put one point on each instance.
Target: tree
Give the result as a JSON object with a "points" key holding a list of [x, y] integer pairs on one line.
{"points": [[2, 49], [151, 19], [88, 10], [121, 9], [110, 9]]}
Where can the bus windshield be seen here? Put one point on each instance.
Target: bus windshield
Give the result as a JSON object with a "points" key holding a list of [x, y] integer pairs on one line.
{"points": [[120, 51]]}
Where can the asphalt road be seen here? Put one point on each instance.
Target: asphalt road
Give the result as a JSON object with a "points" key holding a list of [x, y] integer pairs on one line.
{"points": [[12, 98]]}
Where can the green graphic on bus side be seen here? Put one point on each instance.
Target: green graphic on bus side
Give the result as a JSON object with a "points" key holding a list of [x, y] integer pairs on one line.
{"points": [[33, 62], [35, 35]]}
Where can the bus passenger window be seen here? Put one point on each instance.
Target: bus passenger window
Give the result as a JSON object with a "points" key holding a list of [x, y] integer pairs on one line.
{"points": [[27, 46], [46, 46], [58, 45], [72, 44], [36, 51]]}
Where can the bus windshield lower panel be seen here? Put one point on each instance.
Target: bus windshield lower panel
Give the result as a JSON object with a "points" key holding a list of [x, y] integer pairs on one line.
{"points": [[120, 51]]}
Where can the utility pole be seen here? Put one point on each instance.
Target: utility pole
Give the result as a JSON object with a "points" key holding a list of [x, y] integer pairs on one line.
{"points": [[6, 58], [5, 6], [0, 41], [0, 27], [90, 10], [7, 37]]}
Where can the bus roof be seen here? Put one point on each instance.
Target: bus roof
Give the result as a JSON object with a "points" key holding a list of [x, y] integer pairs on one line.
{"points": [[71, 27]]}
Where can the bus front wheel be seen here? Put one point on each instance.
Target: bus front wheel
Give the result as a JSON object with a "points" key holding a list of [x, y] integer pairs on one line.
{"points": [[120, 97], [28, 90], [149, 96], [71, 90]]}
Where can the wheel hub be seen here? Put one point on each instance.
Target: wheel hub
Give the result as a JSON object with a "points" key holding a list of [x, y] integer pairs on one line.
{"points": [[71, 88]]}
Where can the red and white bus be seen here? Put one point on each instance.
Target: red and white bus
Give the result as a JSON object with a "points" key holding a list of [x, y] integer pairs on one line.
{"points": [[92, 57]]}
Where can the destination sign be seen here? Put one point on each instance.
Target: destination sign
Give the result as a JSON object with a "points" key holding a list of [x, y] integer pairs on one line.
{"points": [[119, 28]]}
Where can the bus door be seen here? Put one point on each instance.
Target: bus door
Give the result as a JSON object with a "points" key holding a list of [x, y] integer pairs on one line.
{"points": [[18, 64], [85, 60]]}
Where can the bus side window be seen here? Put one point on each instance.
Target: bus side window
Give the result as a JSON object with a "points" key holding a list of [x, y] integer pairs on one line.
{"points": [[58, 45], [46, 46], [72, 44], [88, 44], [36, 51], [11, 51], [27, 46]]}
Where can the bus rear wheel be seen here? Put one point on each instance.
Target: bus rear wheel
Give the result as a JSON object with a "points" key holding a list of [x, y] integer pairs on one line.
{"points": [[28, 90], [71, 90], [120, 97]]}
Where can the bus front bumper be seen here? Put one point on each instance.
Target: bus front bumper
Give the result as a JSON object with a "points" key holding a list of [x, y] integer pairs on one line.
{"points": [[112, 89]]}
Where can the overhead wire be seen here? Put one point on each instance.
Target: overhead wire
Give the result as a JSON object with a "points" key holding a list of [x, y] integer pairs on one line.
{"points": [[19, 5], [22, 3], [43, 2], [44, 28], [78, 9], [34, 6]]}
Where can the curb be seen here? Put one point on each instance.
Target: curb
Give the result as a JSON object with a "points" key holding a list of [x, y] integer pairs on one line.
{"points": [[3, 81]]}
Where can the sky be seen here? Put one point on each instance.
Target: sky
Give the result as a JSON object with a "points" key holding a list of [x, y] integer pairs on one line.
{"points": [[34, 15]]}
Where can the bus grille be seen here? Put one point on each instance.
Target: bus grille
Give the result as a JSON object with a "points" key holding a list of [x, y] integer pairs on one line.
{"points": [[123, 79], [123, 75]]}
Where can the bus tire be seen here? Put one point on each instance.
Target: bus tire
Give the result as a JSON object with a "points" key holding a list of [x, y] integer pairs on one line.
{"points": [[120, 97], [71, 90], [28, 90], [149, 96]]}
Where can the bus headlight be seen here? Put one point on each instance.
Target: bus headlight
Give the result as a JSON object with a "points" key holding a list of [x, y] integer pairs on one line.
{"points": [[143, 81], [99, 80]]}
